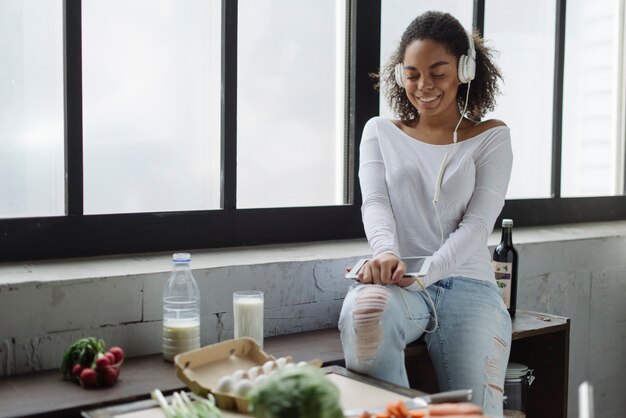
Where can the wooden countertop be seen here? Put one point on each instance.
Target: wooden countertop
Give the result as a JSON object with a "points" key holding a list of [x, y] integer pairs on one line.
{"points": [[47, 394]]}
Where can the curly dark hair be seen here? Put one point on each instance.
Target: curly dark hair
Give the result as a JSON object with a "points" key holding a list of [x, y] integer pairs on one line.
{"points": [[447, 30]]}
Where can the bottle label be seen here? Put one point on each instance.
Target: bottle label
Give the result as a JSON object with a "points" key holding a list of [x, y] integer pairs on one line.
{"points": [[504, 272]]}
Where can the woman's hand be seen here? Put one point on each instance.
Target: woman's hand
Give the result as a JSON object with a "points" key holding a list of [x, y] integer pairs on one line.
{"points": [[384, 269]]}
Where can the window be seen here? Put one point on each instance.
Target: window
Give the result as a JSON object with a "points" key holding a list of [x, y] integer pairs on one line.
{"points": [[31, 109], [521, 35], [291, 103], [158, 125], [593, 135], [151, 105]]}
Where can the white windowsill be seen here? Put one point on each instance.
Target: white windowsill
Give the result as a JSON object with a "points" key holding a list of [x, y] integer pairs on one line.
{"points": [[63, 270]]}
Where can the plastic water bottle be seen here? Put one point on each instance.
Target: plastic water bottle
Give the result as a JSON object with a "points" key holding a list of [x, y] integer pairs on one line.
{"points": [[181, 309]]}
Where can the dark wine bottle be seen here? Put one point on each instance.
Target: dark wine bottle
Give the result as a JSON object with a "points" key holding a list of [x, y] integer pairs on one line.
{"points": [[505, 267]]}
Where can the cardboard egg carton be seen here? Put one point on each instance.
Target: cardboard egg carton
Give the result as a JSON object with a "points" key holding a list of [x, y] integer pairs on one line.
{"points": [[202, 369]]}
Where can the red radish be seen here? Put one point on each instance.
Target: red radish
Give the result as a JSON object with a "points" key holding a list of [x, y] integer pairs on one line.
{"points": [[109, 375], [111, 357], [88, 378], [118, 353], [102, 361], [77, 369]]}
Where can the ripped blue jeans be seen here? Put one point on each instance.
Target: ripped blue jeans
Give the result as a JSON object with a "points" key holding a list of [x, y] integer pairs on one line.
{"points": [[469, 348]]}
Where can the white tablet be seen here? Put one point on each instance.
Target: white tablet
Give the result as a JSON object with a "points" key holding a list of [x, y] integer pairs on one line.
{"points": [[415, 266]]}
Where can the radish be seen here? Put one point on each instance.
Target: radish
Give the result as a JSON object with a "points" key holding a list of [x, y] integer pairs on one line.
{"points": [[87, 362], [76, 370], [88, 378], [118, 353], [102, 362], [109, 375], [111, 357]]}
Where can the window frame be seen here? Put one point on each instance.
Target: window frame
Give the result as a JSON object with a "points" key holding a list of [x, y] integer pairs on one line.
{"points": [[80, 235], [556, 209]]}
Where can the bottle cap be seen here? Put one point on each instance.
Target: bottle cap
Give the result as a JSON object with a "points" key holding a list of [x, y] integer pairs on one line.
{"points": [[181, 257], [507, 222]]}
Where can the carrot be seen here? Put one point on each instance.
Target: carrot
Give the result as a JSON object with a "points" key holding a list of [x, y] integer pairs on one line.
{"points": [[403, 411], [393, 411], [417, 413], [453, 409], [383, 415]]}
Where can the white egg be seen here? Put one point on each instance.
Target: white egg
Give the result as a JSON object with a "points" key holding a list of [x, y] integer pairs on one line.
{"points": [[268, 366], [225, 384], [259, 379], [253, 372], [243, 387], [289, 365], [280, 362], [302, 363], [238, 375]]}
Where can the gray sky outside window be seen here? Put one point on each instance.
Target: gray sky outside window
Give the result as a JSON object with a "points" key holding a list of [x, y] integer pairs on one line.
{"points": [[152, 90], [290, 96], [525, 40], [31, 109], [151, 106], [593, 129]]}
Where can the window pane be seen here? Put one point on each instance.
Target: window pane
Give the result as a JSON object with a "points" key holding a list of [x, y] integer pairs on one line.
{"points": [[151, 88], [396, 16], [31, 108], [525, 41], [592, 157], [291, 90]]}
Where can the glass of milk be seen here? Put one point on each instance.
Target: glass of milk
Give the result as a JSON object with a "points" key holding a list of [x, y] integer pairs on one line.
{"points": [[248, 313]]}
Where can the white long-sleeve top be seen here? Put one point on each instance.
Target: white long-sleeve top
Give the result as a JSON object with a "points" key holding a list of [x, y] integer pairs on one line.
{"points": [[397, 174]]}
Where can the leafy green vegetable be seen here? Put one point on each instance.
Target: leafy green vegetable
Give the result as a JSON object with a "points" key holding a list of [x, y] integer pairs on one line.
{"points": [[295, 392], [83, 352], [187, 405]]}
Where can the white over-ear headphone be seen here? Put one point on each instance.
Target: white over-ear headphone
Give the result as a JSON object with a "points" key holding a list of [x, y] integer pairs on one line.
{"points": [[467, 63], [466, 69]]}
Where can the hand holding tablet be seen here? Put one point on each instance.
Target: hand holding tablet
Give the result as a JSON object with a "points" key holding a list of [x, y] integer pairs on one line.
{"points": [[415, 267]]}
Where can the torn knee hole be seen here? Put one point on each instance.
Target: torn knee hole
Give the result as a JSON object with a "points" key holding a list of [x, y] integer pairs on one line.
{"points": [[496, 387], [500, 342], [495, 363], [370, 304]]}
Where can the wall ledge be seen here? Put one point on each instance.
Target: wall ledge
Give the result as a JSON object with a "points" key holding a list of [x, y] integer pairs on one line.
{"points": [[66, 270]]}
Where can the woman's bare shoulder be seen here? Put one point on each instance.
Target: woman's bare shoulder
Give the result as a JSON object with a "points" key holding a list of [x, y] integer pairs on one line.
{"points": [[485, 125]]}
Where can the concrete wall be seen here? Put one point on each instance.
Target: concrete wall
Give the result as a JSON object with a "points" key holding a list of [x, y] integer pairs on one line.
{"points": [[578, 272], [39, 319], [584, 280]]}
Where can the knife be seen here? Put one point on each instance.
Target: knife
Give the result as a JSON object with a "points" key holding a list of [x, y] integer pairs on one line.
{"points": [[421, 402]]}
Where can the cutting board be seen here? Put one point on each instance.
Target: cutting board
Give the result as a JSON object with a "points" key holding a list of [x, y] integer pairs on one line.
{"points": [[356, 391]]}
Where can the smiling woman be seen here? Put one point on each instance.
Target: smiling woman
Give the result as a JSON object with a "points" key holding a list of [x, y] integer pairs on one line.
{"points": [[437, 58], [430, 78], [427, 191]]}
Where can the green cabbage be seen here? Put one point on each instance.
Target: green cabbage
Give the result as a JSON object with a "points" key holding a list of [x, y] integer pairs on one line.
{"points": [[295, 392]]}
